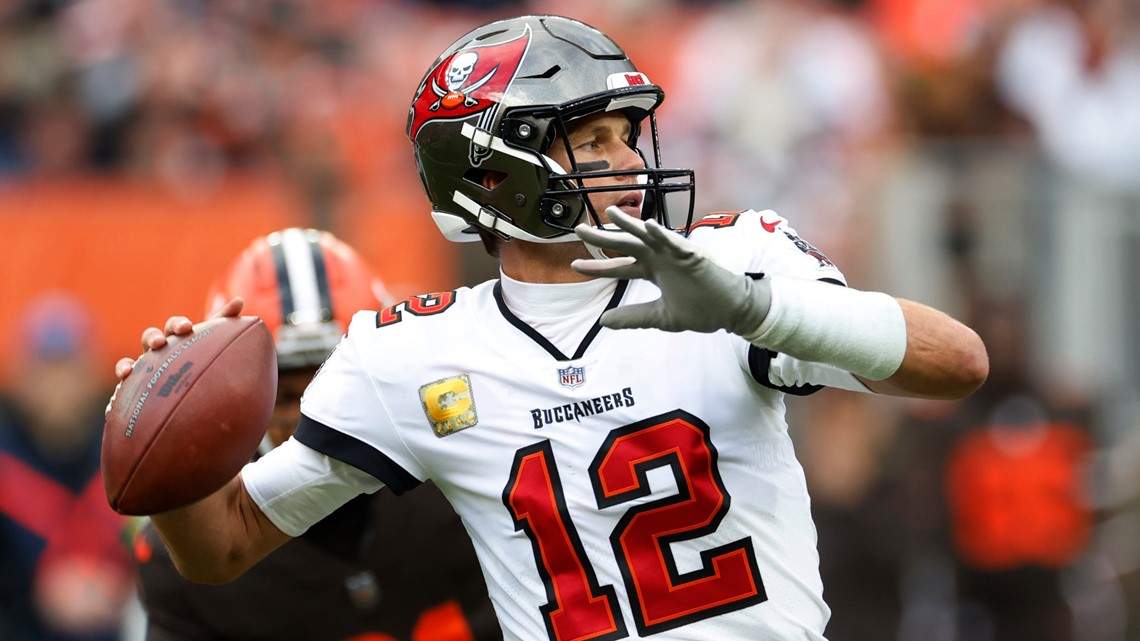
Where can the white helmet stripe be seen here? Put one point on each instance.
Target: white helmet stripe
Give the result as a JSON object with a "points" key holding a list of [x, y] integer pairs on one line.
{"points": [[485, 139], [297, 247]]}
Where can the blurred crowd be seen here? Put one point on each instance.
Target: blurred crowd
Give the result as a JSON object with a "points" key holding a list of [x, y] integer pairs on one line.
{"points": [[979, 155]]}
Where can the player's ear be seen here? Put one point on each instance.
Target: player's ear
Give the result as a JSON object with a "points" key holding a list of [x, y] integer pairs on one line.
{"points": [[492, 179]]}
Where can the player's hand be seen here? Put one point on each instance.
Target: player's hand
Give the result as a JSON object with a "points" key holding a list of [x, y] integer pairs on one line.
{"points": [[696, 293], [155, 338]]}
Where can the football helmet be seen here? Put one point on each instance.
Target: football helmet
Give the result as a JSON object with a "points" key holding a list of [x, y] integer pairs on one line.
{"points": [[496, 100], [305, 284]]}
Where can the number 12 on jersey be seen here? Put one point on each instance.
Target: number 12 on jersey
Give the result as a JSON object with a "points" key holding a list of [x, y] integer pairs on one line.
{"points": [[662, 598]]}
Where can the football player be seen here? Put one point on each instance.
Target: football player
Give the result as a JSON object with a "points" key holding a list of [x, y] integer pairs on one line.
{"points": [[606, 416], [412, 575]]}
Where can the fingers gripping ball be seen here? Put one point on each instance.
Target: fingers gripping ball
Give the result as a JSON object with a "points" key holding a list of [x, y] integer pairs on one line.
{"points": [[189, 416]]}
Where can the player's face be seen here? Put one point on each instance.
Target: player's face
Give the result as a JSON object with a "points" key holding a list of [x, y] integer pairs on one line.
{"points": [[291, 383], [601, 143]]}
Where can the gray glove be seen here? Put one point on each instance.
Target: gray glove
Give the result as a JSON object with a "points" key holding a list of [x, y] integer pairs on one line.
{"points": [[696, 293]]}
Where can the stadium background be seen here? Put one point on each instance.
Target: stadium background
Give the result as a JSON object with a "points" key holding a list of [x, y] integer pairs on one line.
{"points": [[982, 156]]}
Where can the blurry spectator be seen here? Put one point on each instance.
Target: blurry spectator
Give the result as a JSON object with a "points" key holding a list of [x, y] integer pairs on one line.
{"points": [[33, 95], [1072, 68], [848, 446], [781, 104], [1119, 531], [65, 574], [1018, 494], [1005, 550], [940, 54]]}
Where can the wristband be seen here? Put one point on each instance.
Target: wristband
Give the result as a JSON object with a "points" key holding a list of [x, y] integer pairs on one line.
{"points": [[861, 332]]}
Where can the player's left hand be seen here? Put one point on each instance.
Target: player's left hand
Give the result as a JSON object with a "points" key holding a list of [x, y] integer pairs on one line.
{"points": [[155, 338], [696, 293]]}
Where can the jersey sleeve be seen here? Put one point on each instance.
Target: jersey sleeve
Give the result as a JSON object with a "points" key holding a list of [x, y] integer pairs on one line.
{"points": [[764, 243], [345, 417], [296, 486]]}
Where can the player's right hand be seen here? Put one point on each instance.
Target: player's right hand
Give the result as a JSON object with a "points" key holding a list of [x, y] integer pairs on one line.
{"points": [[155, 338], [697, 294]]}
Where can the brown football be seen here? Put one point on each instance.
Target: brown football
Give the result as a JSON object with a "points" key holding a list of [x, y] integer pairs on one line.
{"points": [[189, 416]]}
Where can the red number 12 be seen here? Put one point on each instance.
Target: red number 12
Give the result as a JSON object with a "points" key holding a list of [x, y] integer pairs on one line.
{"points": [[662, 598]]}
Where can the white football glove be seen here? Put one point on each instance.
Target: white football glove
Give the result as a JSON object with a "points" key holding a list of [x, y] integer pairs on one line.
{"points": [[696, 293]]}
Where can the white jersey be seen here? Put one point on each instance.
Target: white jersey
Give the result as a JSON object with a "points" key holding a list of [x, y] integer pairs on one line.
{"points": [[642, 484]]}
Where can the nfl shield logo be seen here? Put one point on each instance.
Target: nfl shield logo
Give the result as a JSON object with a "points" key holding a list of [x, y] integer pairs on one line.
{"points": [[572, 376]]}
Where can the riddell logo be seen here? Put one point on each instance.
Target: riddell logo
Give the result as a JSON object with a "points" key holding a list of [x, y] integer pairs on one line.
{"points": [[468, 82], [626, 79]]}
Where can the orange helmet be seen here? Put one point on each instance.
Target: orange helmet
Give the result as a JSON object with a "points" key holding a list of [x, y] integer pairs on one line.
{"points": [[305, 284]]}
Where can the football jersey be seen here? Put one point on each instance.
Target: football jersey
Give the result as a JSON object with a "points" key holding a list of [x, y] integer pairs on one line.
{"points": [[642, 484]]}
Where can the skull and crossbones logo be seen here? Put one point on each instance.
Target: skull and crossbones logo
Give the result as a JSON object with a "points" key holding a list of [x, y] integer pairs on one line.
{"points": [[458, 92]]}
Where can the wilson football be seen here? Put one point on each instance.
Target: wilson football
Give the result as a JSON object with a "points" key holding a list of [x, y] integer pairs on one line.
{"points": [[189, 416]]}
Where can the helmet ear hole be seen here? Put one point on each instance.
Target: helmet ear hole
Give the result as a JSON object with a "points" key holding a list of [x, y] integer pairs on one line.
{"points": [[486, 178]]}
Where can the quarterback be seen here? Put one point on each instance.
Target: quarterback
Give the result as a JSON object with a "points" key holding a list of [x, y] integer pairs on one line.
{"points": [[607, 417]]}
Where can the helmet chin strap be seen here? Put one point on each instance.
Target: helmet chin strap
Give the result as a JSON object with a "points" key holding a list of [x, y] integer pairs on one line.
{"points": [[647, 199], [595, 251]]}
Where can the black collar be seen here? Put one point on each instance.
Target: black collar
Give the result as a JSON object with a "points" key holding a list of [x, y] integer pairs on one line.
{"points": [[541, 340]]}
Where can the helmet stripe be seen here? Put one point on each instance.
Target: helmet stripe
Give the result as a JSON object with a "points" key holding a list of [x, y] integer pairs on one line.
{"points": [[300, 276], [324, 289], [284, 291]]}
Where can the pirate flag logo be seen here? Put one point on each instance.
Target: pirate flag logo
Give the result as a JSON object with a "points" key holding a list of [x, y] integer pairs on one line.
{"points": [[458, 90], [468, 82]]}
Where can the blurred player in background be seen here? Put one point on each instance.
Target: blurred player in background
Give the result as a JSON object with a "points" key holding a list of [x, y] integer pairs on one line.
{"points": [[409, 576], [64, 573]]}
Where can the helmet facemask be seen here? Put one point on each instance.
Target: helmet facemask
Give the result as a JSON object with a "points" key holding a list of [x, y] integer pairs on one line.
{"points": [[567, 192]]}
